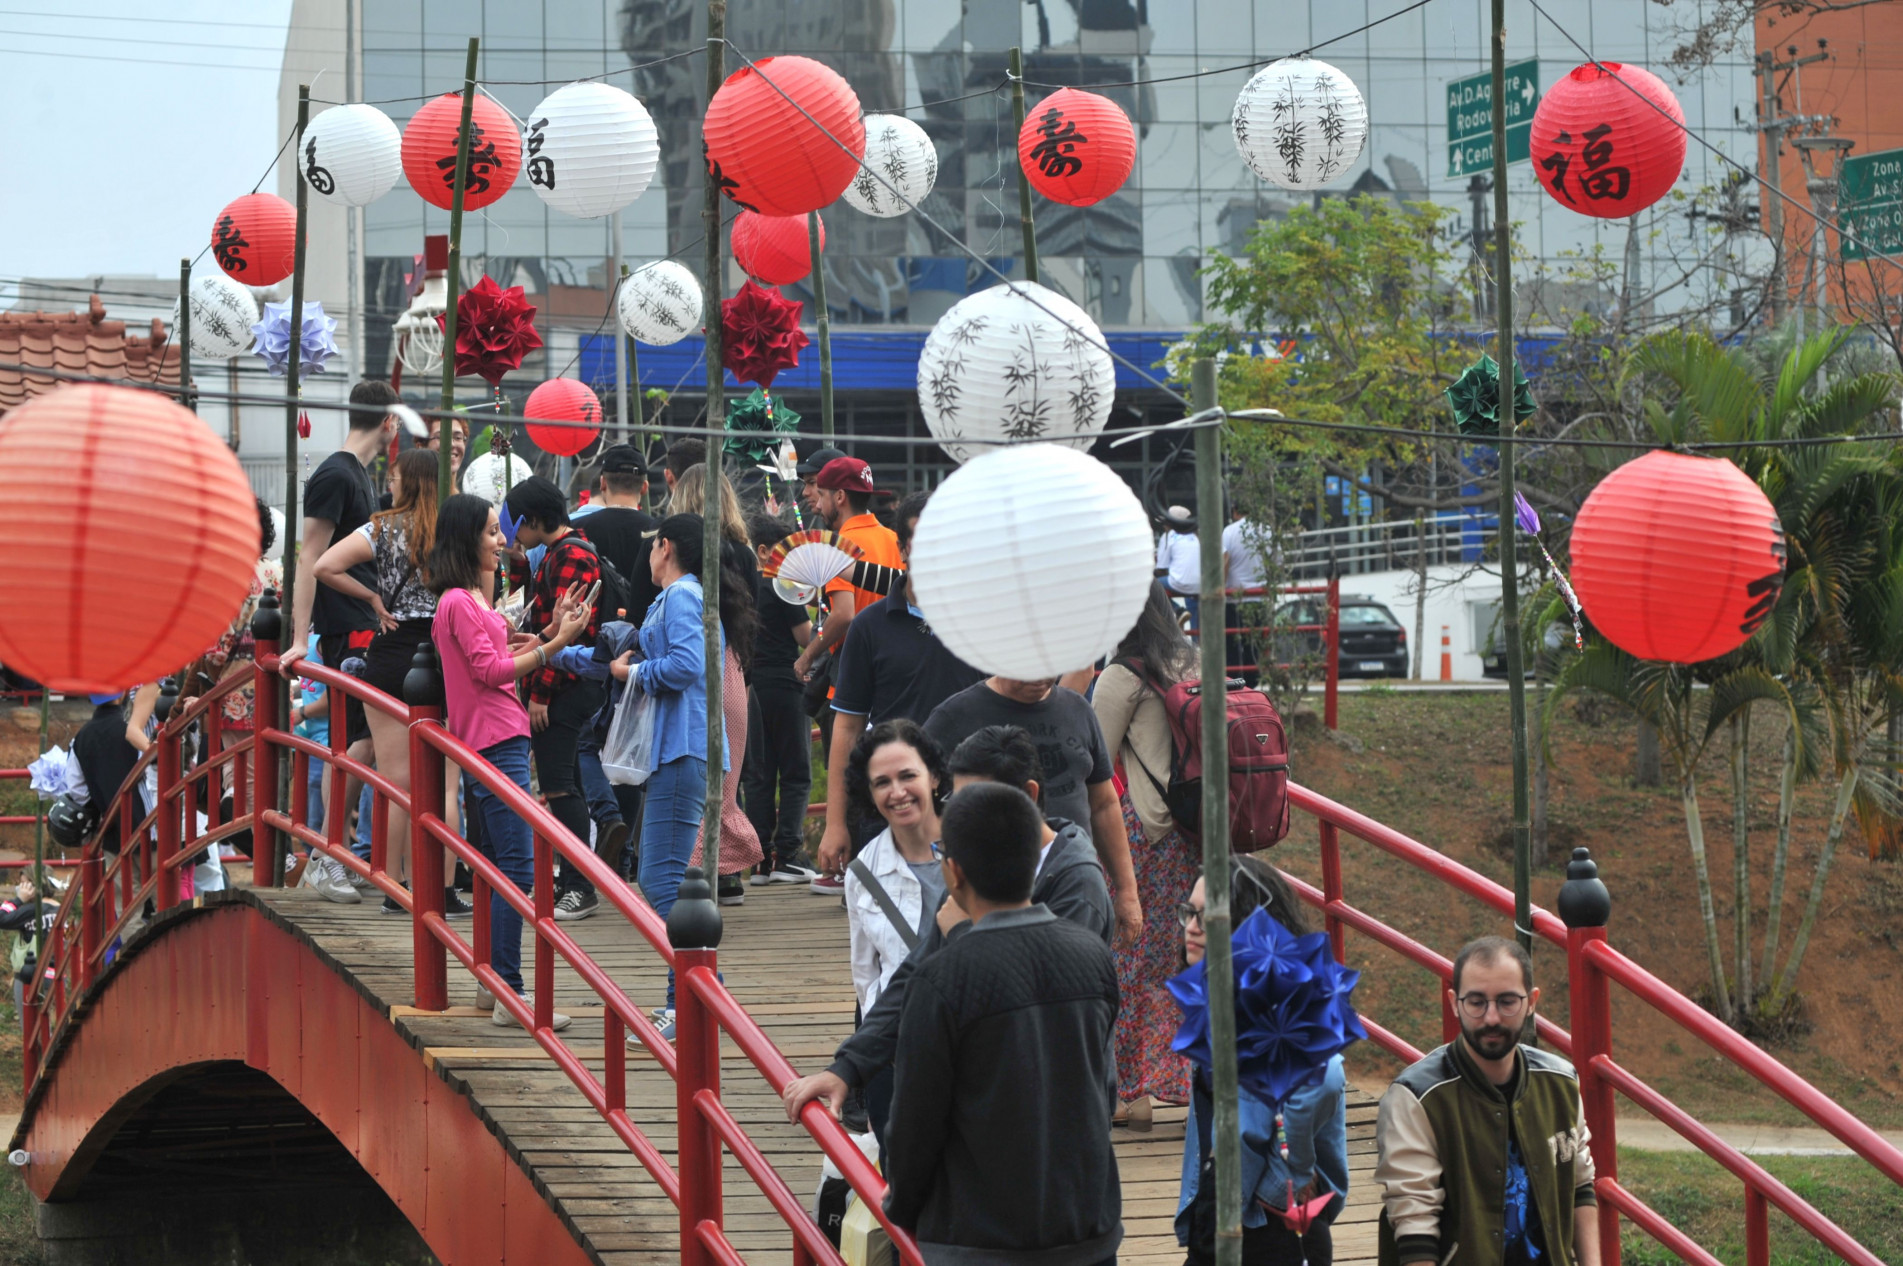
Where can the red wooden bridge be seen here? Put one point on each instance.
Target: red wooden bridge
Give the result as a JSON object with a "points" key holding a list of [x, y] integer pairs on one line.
{"points": [[263, 1042]]}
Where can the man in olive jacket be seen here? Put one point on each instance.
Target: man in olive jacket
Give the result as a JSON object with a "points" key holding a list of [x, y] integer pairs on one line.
{"points": [[1485, 1159]]}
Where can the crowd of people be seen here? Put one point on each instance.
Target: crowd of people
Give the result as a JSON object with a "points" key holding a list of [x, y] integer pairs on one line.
{"points": [[1016, 890]]}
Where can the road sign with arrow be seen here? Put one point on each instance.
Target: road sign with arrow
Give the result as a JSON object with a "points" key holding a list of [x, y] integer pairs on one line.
{"points": [[1470, 118]]}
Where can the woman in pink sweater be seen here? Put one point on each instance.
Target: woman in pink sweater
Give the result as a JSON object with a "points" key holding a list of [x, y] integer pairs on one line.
{"points": [[482, 657]]}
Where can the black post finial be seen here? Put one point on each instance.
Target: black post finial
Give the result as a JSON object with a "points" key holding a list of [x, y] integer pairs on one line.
{"points": [[694, 922], [267, 623], [1583, 899], [423, 684]]}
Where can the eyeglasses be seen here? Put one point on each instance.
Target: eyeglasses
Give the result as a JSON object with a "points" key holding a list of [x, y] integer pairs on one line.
{"points": [[1187, 914], [1507, 1004]]}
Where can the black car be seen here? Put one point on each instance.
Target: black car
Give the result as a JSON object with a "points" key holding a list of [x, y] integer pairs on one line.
{"points": [[1373, 643]]}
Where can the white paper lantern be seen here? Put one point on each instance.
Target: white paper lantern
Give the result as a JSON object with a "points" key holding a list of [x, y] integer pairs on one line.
{"points": [[352, 155], [223, 313], [1015, 362], [483, 476], [590, 149], [660, 303], [1032, 561], [898, 150], [1300, 122]]}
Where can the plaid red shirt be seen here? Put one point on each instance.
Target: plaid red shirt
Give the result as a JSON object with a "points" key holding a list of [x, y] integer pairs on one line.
{"points": [[569, 561]]}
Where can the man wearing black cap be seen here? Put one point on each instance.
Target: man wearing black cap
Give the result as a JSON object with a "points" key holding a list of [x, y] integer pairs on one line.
{"points": [[808, 469], [618, 525]]}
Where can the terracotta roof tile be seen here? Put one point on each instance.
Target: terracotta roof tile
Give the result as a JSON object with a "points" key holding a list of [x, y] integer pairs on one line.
{"points": [[78, 343]]}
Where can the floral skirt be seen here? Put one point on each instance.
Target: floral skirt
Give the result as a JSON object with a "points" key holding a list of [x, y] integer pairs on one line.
{"points": [[1166, 870], [739, 842]]}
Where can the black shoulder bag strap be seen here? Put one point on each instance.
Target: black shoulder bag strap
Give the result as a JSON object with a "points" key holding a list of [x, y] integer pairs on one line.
{"points": [[907, 934]]}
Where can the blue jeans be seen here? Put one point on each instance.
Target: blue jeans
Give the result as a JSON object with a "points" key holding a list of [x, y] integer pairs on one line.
{"points": [[1194, 606], [508, 839], [670, 820], [314, 802], [366, 801]]}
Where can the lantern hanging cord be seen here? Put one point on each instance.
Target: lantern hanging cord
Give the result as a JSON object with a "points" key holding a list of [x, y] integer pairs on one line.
{"points": [[985, 264], [1225, 70], [1764, 186], [528, 83]]}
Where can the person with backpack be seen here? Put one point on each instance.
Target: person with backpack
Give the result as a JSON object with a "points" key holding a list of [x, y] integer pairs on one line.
{"points": [[896, 774], [561, 705], [1128, 702]]}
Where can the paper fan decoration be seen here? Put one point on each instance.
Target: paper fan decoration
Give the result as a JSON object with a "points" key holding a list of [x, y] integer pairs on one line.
{"points": [[798, 595], [813, 557]]}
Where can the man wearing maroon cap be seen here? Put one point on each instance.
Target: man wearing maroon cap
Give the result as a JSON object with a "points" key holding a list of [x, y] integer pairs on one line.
{"points": [[841, 494]]}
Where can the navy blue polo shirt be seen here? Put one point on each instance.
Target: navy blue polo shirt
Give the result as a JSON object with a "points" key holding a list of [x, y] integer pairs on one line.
{"points": [[891, 665]]}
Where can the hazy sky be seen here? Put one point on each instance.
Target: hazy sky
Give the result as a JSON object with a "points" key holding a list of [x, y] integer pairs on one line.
{"points": [[125, 132]]}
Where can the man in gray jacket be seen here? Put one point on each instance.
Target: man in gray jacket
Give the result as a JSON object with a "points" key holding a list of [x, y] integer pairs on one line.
{"points": [[1069, 881]]}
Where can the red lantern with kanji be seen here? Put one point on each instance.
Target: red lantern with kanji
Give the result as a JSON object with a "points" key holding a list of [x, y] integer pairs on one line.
{"points": [[564, 400], [777, 249], [429, 151], [1077, 147], [254, 239], [1677, 558], [1608, 140], [787, 146], [132, 538]]}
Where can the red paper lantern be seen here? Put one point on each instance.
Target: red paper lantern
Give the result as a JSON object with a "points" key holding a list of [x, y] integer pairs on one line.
{"points": [[254, 239], [775, 248], [429, 151], [1677, 558], [564, 400], [1077, 147], [132, 538], [770, 157], [1600, 149]]}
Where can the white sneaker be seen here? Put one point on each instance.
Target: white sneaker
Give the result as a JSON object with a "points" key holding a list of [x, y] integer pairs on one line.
{"points": [[485, 1001], [360, 882], [331, 884], [503, 1018]]}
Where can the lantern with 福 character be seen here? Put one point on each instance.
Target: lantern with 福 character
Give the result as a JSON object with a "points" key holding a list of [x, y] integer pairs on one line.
{"points": [[1677, 558], [1608, 140], [429, 151], [351, 155], [1077, 147], [592, 149], [254, 239], [783, 136]]}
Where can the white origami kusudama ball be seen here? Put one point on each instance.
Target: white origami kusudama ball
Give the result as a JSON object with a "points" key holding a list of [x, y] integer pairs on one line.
{"points": [[351, 154], [223, 313], [1015, 362], [660, 303], [898, 151], [1299, 123], [589, 149], [1032, 561], [483, 476]]}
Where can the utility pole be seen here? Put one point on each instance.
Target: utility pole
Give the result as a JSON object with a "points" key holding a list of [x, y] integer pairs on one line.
{"points": [[1771, 159]]}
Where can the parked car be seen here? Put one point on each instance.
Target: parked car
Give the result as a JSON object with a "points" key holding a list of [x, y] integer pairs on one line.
{"points": [[1373, 643]]}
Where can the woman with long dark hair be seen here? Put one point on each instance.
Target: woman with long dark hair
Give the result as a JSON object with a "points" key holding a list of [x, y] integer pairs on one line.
{"points": [[482, 658], [1128, 702], [1312, 1123], [396, 541]]}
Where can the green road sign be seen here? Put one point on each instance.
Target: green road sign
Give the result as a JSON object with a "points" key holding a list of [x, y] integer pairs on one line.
{"points": [[1470, 118], [1871, 204]]}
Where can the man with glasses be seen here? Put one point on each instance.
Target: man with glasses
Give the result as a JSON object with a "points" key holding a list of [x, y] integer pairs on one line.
{"points": [[1484, 1154]]}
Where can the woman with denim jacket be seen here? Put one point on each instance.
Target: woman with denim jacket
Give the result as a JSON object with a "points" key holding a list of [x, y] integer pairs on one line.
{"points": [[1314, 1121], [671, 668]]}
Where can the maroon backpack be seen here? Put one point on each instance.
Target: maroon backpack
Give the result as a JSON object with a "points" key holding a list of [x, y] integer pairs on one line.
{"points": [[1258, 762]]}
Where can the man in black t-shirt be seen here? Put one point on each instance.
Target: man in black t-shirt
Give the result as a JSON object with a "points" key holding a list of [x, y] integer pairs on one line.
{"points": [[778, 774], [619, 528]]}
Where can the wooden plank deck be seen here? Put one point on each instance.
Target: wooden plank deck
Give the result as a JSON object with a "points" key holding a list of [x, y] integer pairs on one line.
{"points": [[784, 957]]}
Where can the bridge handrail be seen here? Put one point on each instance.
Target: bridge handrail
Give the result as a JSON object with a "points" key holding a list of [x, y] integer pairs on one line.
{"points": [[1593, 966]]}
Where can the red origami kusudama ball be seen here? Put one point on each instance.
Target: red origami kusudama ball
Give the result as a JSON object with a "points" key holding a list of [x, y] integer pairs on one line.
{"points": [[429, 151], [563, 400], [775, 248], [1077, 147], [254, 239], [1677, 558], [1600, 149], [132, 538], [769, 156]]}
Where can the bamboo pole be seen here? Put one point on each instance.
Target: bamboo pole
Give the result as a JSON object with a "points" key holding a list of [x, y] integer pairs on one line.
{"points": [[1226, 1129], [444, 475], [1024, 181], [1509, 562], [293, 367], [619, 271], [716, 425], [825, 328], [184, 336]]}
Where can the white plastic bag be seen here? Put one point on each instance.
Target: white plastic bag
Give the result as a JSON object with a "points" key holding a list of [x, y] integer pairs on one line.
{"points": [[627, 755]]}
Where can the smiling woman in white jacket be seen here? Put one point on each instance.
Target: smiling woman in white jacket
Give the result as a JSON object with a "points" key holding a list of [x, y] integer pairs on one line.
{"points": [[898, 773]]}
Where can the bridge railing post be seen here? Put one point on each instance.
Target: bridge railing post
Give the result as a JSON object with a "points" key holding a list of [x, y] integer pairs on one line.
{"points": [[1331, 647], [267, 628], [423, 691], [693, 929], [1586, 907], [1332, 888], [174, 802]]}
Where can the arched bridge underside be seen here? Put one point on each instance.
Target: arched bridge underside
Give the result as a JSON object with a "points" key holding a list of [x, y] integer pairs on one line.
{"points": [[259, 1044]]}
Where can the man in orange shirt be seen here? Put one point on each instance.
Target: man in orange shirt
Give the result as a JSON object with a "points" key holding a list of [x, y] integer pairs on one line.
{"points": [[841, 493]]}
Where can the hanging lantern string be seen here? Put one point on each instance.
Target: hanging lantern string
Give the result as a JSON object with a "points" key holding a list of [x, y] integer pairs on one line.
{"points": [[1763, 185]]}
